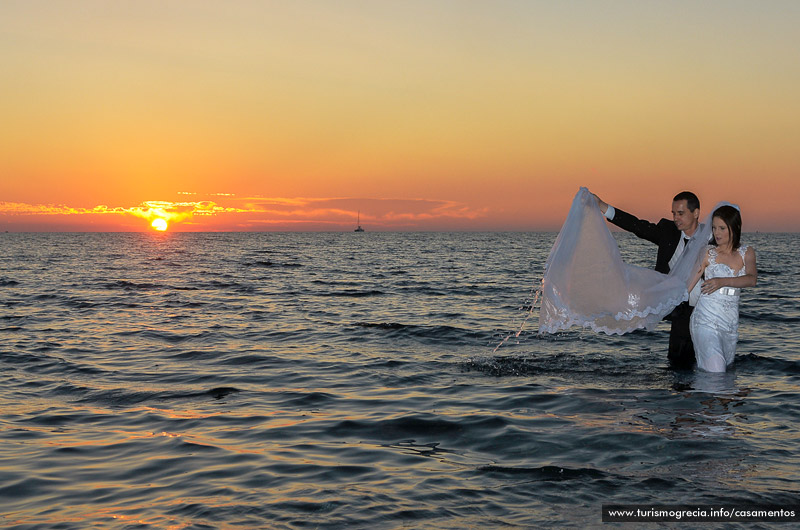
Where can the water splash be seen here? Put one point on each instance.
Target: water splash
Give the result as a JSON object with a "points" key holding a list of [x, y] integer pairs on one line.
{"points": [[529, 305]]}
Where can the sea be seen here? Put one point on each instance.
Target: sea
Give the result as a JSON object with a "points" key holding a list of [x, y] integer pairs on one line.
{"points": [[367, 380]]}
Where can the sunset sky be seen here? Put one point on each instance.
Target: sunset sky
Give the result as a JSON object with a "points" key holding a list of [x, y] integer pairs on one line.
{"points": [[420, 115]]}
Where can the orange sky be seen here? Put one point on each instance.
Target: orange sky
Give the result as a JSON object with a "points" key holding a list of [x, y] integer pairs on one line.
{"points": [[422, 115]]}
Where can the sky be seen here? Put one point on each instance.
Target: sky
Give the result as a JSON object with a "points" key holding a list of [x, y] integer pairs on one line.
{"points": [[408, 115]]}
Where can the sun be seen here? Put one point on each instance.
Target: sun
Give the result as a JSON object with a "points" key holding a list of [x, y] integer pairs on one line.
{"points": [[159, 224]]}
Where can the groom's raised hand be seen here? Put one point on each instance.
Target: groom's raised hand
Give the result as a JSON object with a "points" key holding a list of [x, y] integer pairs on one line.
{"points": [[602, 205]]}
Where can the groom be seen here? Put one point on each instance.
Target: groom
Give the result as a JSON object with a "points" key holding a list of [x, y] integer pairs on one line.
{"points": [[671, 238]]}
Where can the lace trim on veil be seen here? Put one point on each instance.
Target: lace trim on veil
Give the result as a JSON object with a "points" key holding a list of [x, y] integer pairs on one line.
{"points": [[587, 284], [618, 324]]}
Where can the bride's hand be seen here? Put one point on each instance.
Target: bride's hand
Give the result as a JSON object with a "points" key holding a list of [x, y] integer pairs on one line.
{"points": [[711, 285]]}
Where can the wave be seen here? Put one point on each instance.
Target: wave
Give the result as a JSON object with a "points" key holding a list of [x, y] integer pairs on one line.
{"points": [[306, 400], [128, 397], [272, 264], [430, 291], [45, 297], [415, 426], [126, 285], [772, 316], [213, 285], [545, 473], [763, 363], [216, 393], [336, 283], [436, 333], [173, 337], [382, 325], [557, 364], [353, 293], [39, 362]]}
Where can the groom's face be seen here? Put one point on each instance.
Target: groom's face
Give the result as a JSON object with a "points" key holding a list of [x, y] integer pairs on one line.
{"points": [[685, 219]]}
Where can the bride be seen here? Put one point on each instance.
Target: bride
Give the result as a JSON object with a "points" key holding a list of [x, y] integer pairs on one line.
{"points": [[727, 268]]}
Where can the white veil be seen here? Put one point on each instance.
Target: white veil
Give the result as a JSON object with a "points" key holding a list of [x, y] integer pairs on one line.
{"points": [[587, 284]]}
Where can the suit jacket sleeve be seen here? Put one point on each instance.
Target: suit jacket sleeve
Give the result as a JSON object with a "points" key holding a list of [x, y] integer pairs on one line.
{"points": [[641, 228], [664, 234]]}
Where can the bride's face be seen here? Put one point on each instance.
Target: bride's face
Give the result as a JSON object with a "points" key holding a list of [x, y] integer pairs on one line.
{"points": [[720, 231]]}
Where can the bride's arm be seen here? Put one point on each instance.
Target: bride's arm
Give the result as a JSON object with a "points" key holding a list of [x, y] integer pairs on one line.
{"points": [[750, 278]]}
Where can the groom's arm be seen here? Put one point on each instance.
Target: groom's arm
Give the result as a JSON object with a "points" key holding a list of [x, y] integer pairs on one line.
{"points": [[640, 227], [643, 229]]}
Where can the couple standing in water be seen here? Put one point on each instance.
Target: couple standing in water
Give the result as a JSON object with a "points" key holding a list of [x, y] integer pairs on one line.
{"points": [[704, 328]]}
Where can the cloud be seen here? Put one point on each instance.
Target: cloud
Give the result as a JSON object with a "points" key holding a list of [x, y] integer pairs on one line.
{"points": [[21, 208], [253, 211], [375, 210]]}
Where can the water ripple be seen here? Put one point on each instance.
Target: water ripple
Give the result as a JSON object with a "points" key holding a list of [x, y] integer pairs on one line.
{"points": [[325, 381]]}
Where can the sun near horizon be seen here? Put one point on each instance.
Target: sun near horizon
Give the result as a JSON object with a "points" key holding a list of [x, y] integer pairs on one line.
{"points": [[438, 115], [159, 224]]}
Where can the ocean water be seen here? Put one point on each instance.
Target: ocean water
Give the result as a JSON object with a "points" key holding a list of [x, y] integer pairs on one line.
{"points": [[343, 380]]}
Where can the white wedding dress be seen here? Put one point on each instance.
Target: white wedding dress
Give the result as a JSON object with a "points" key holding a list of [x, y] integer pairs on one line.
{"points": [[714, 324]]}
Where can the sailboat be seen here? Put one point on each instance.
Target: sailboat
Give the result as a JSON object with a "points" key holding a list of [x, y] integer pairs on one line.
{"points": [[359, 229]]}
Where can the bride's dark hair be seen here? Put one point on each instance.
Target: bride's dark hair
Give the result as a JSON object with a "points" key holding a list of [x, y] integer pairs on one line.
{"points": [[731, 217]]}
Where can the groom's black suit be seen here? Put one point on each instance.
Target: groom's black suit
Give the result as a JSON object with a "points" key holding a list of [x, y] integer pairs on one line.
{"points": [[667, 236]]}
